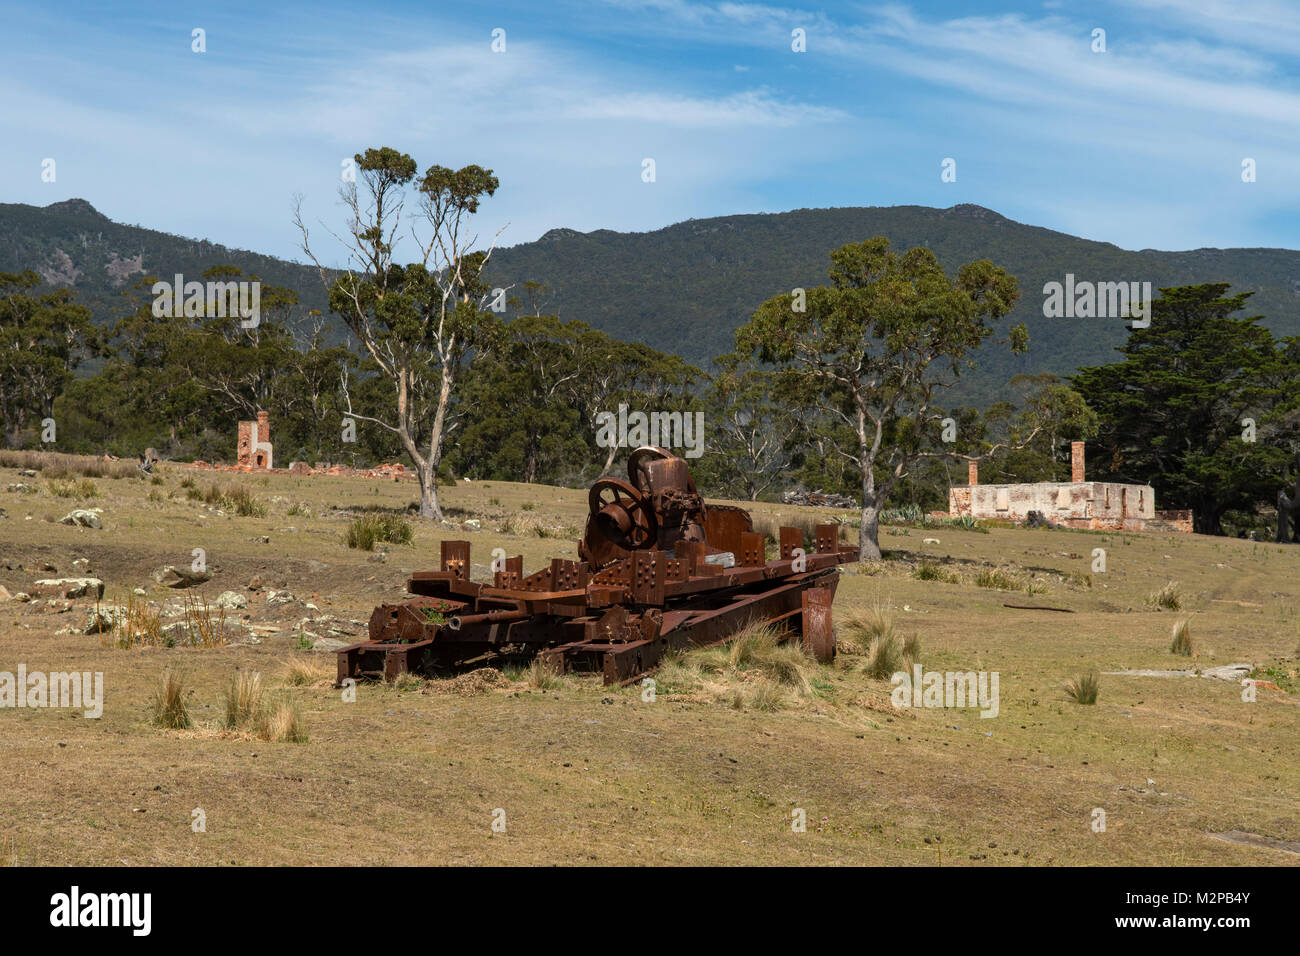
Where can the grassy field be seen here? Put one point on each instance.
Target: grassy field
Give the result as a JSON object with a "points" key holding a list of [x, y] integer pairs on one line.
{"points": [[713, 770]]}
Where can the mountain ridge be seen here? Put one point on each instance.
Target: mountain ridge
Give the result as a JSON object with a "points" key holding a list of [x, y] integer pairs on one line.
{"points": [[686, 286]]}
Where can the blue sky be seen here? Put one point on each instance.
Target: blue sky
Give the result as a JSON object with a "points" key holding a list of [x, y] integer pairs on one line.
{"points": [[1141, 145]]}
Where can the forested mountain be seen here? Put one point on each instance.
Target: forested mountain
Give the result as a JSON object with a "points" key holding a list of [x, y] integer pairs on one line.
{"points": [[686, 288]]}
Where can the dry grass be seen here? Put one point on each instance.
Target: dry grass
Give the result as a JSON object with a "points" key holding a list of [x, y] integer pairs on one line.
{"points": [[996, 579], [135, 624], [873, 635], [1168, 598], [281, 721], [169, 707], [82, 490], [55, 465], [309, 671], [1084, 688], [757, 669], [598, 776], [205, 626], [1182, 638], [243, 700], [542, 675]]}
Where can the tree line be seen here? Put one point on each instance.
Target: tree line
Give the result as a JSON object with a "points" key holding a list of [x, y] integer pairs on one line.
{"points": [[838, 387]]}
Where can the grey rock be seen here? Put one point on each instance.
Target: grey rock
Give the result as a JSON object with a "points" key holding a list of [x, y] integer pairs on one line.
{"points": [[174, 577], [82, 518], [73, 587]]}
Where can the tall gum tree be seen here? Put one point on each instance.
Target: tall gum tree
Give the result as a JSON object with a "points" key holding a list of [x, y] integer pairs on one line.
{"points": [[418, 324], [869, 354]]}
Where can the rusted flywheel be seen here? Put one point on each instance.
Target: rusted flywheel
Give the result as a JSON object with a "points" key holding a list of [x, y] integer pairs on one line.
{"points": [[623, 514]]}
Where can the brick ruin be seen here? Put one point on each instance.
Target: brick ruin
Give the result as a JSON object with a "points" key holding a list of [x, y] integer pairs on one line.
{"points": [[253, 451], [1078, 503]]}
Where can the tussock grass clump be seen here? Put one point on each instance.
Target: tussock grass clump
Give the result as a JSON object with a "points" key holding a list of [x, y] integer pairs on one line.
{"points": [[1168, 598], [364, 531], [282, 722], [1084, 688], [997, 579], [1182, 638], [205, 626], [246, 504], [542, 675], [864, 627], [757, 669], [884, 657], [168, 706], [136, 624], [308, 672], [927, 571], [243, 700], [85, 488], [247, 710]]}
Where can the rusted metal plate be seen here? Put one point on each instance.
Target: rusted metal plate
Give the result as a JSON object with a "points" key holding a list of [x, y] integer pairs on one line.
{"points": [[511, 574], [753, 549], [455, 558], [791, 538], [818, 635], [648, 577], [828, 536]]}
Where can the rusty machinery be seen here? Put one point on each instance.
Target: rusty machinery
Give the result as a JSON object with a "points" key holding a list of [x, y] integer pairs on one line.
{"points": [[657, 569]]}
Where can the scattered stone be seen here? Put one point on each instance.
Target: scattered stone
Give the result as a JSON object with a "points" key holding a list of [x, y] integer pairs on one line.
{"points": [[101, 620], [4, 594], [21, 487], [473, 524], [261, 539], [82, 518], [73, 587], [22, 596], [139, 592], [327, 644], [46, 566], [82, 565], [257, 583], [27, 473], [378, 557], [68, 630], [930, 541], [231, 601], [279, 597], [173, 577]]}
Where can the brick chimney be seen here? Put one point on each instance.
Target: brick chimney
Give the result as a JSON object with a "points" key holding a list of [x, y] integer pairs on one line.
{"points": [[972, 473], [1076, 461], [263, 426]]}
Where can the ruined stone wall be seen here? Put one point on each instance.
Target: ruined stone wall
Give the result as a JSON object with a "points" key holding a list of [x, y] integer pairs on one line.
{"points": [[1107, 504]]}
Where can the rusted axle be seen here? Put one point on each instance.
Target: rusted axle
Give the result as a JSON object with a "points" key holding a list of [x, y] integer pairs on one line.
{"points": [[489, 617]]}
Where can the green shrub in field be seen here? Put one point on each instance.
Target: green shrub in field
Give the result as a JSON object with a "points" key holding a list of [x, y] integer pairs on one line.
{"points": [[366, 530]]}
